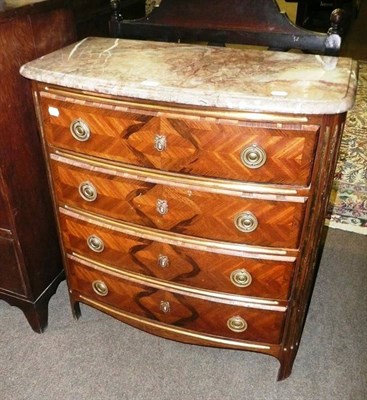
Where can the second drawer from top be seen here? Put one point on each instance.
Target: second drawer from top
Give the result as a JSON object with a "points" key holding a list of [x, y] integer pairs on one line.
{"points": [[198, 213]]}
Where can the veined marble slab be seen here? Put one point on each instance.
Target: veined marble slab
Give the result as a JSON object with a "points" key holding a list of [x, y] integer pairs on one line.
{"points": [[238, 79]]}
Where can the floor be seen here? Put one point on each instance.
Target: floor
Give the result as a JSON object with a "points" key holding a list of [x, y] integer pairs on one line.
{"points": [[98, 357]]}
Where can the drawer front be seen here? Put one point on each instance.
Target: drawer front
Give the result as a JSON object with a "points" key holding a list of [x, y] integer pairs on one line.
{"points": [[170, 308], [197, 146], [11, 276], [216, 272], [194, 213]]}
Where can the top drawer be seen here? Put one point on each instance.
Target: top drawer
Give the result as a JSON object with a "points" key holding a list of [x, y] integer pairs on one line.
{"points": [[201, 146]]}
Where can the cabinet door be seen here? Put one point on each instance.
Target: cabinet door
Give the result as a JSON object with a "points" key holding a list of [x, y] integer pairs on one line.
{"points": [[4, 212], [10, 275]]}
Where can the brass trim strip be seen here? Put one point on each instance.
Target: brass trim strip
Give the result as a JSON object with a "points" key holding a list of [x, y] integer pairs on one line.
{"points": [[172, 329], [241, 250], [227, 298], [181, 109], [235, 188]]}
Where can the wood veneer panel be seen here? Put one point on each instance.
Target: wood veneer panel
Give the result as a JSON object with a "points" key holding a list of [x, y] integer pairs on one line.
{"points": [[190, 212], [195, 145], [202, 269], [185, 311]]}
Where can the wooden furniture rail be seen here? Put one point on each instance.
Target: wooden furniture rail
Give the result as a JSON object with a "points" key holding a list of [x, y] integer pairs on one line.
{"points": [[259, 23]]}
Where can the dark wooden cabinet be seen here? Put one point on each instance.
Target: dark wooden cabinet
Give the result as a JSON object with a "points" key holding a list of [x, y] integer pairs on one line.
{"points": [[315, 14], [30, 261], [92, 16]]}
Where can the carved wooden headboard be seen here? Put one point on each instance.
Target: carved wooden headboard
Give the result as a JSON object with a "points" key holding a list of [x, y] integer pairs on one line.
{"points": [[252, 22]]}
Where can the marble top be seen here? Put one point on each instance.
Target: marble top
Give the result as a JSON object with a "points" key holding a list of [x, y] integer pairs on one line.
{"points": [[238, 79]]}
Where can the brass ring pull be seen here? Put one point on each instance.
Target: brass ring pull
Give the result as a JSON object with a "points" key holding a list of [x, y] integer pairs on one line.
{"points": [[253, 156], [95, 243], [80, 130], [241, 278], [163, 261], [165, 306], [162, 206], [246, 222], [87, 191], [160, 142], [100, 288], [237, 324]]}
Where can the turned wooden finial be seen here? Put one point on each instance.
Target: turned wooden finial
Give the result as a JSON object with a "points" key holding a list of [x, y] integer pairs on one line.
{"points": [[336, 20], [115, 5], [334, 34]]}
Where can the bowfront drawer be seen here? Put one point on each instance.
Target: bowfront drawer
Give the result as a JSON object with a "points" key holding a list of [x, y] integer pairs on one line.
{"points": [[195, 213], [183, 311], [228, 149], [180, 265]]}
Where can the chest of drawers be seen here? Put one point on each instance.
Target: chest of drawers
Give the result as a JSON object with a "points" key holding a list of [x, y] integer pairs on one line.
{"points": [[191, 199]]}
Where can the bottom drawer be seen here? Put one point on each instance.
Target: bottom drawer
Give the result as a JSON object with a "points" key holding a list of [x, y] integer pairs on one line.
{"points": [[196, 314]]}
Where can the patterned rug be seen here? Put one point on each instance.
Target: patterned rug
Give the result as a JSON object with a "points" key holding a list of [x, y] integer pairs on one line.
{"points": [[347, 209]]}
